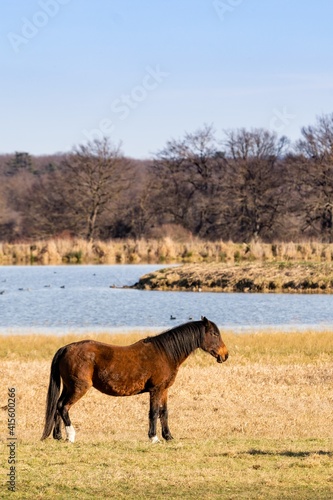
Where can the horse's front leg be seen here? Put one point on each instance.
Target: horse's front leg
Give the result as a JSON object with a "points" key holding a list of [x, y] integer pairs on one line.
{"points": [[158, 408], [163, 414], [153, 415]]}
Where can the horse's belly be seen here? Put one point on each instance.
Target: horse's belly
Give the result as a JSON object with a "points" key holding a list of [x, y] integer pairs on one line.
{"points": [[117, 385]]}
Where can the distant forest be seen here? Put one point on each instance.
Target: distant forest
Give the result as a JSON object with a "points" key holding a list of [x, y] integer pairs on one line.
{"points": [[246, 185]]}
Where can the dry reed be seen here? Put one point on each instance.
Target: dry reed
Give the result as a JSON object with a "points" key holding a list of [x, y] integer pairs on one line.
{"points": [[163, 250]]}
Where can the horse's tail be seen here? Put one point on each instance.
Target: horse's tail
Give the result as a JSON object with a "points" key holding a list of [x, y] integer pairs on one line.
{"points": [[52, 394]]}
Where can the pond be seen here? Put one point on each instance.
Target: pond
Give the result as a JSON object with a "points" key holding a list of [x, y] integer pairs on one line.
{"points": [[66, 299]]}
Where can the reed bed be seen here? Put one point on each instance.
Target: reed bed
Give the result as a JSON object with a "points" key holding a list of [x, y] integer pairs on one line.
{"points": [[163, 250], [258, 426]]}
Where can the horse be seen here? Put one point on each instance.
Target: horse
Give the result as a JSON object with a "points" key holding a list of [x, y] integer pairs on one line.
{"points": [[149, 365]]}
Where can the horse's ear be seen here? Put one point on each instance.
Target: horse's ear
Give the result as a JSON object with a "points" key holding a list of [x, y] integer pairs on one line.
{"points": [[204, 320]]}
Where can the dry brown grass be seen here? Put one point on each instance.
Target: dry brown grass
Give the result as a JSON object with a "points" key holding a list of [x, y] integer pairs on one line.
{"points": [[162, 250], [258, 426], [290, 277], [266, 398]]}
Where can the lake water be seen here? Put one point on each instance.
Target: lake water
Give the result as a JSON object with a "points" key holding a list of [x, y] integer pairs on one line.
{"points": [[63, 299]]}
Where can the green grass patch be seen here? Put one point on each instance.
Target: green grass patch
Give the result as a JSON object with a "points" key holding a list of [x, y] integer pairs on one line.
{"points": [[210, 469]]}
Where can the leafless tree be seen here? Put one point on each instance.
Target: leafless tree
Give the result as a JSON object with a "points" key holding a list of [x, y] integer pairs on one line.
{"points": [[80, 195], [255, 182], [45, 208], [9, 217], [247, 186], [188, 172], [94, 174], [314, 163]]}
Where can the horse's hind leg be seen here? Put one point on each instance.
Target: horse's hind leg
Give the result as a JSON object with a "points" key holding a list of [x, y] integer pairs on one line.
{"points": [[57, 418], [57, 426], [71, 396]]}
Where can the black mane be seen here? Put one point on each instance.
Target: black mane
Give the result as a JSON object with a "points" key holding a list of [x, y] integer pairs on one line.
{"points": [[179, 341]]}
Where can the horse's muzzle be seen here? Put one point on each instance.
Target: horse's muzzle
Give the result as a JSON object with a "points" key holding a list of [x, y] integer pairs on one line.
{"points": [[220, 358]]}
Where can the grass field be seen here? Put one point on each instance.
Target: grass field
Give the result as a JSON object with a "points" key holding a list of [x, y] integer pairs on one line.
{"points": [[259, 426]]}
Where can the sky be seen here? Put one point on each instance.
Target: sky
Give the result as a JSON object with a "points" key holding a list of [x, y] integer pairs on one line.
{"points": [[145, 71]]}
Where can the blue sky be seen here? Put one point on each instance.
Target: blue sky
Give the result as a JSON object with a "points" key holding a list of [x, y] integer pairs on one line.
{"points": [[143, 72]]}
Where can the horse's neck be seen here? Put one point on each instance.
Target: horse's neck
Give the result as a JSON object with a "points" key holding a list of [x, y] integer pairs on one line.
{"points": [[184, 357]]}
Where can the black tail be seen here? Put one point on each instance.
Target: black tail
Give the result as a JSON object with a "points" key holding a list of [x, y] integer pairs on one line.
{"points": [[52, 394]]}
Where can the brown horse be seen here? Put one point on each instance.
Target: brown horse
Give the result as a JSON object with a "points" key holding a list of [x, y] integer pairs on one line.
{"points": [[149, 365]]}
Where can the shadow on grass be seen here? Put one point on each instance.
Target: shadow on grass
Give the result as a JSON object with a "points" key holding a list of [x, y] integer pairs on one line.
{"points": [[285, 453]]}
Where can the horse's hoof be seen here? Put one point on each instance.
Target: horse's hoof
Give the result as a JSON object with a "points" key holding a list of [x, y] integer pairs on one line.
{"points": [[154, 440], [70, 432]]}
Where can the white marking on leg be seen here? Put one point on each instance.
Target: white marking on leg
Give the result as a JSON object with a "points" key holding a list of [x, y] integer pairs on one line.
{"points": [[70, 433], [154, 440]]}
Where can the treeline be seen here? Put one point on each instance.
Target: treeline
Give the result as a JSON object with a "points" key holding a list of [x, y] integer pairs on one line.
{"points": [[248, 185]]}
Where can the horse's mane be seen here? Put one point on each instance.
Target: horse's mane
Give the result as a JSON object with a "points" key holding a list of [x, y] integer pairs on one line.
{"points": [[179, 341]]}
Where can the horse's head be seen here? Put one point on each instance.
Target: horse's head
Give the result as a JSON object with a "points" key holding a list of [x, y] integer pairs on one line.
{"points": [[212, 341]]}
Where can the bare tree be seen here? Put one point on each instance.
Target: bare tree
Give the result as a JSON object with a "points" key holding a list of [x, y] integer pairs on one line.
{"points": [[45, 210], [9, 217], [135, 210], [246, 187], [80, 195], [188, 172], [255, 182], [94, 175], [314, 183]]}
